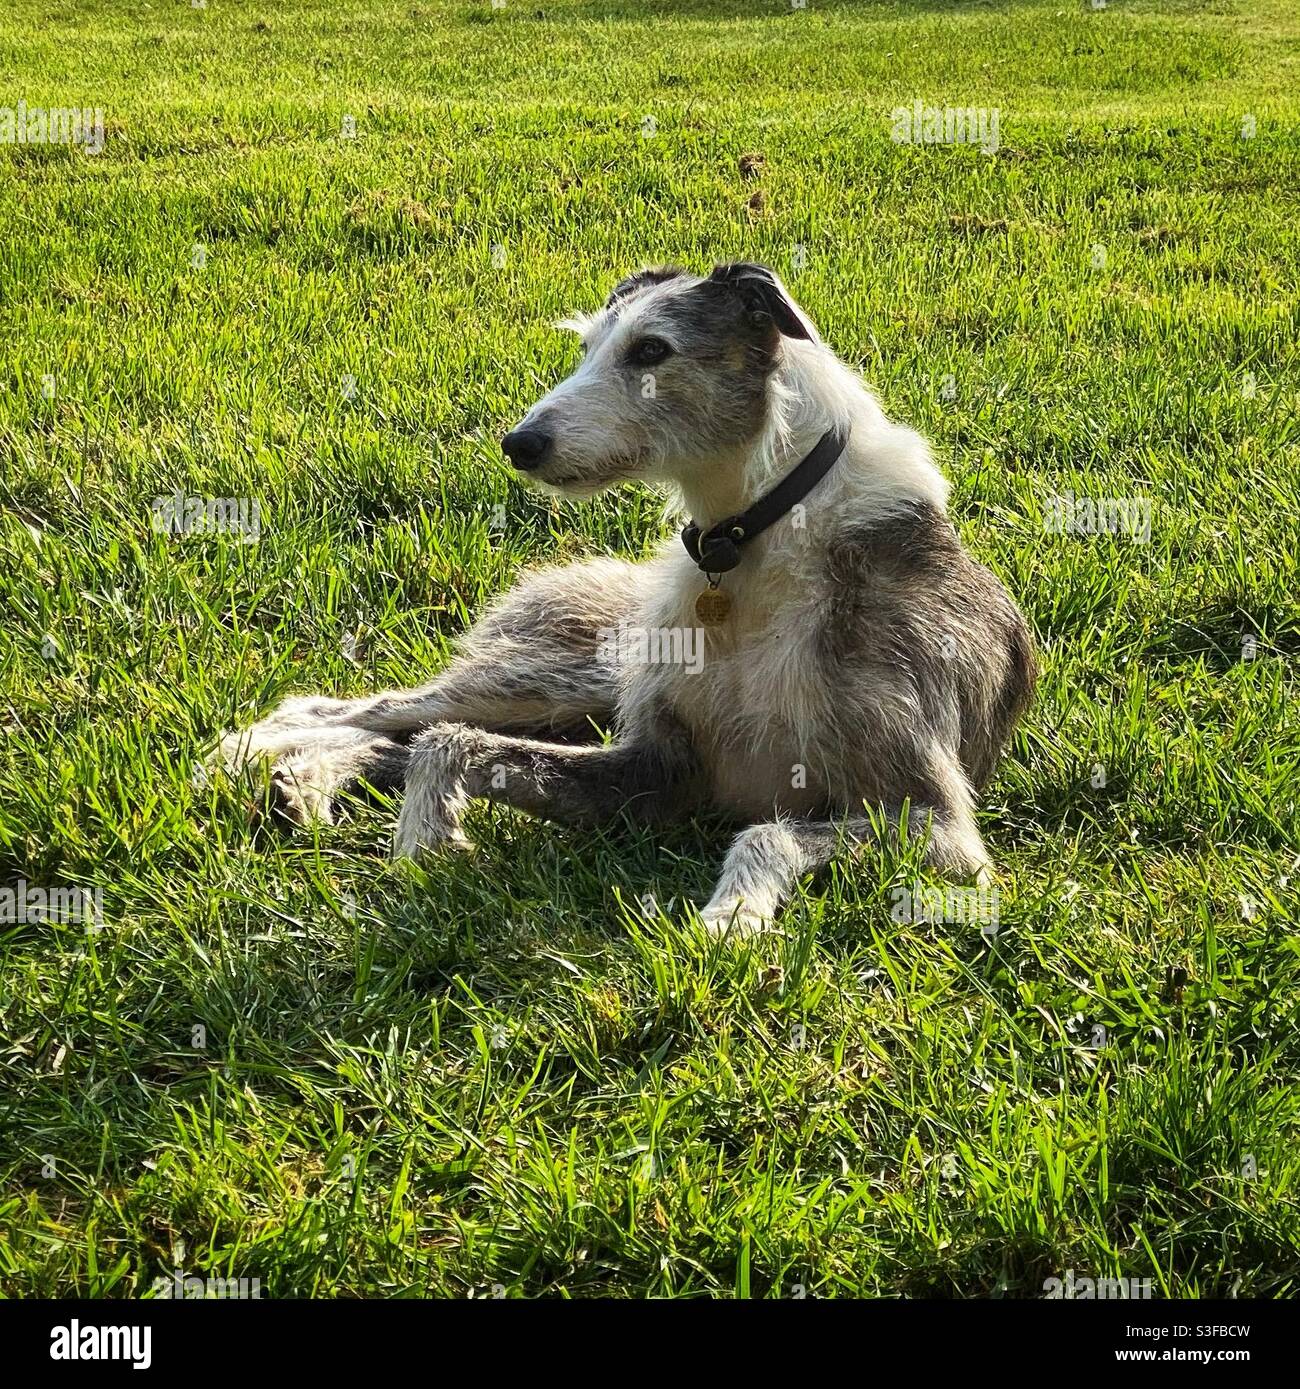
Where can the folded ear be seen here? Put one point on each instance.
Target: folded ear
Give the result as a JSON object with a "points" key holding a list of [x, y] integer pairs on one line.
{"points": [[643, 279], [765, 296]]}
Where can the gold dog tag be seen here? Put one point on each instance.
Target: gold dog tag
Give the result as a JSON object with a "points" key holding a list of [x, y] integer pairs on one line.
{"points": [[712, 606]]}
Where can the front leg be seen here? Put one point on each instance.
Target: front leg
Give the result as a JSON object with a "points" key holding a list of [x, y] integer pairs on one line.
{"points": [[651, 780], [762, 866], [766, 861]]}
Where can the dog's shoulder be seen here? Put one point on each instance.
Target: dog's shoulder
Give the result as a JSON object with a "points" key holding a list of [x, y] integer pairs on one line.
{"points": [[905, 577], [906, 544]]}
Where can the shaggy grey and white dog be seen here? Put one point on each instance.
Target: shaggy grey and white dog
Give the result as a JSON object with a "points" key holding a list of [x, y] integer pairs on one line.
{"points": [[867, 663]]}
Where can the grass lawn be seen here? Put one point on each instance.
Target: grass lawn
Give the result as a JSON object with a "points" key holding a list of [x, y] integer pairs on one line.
{"points": [[315, 267]]}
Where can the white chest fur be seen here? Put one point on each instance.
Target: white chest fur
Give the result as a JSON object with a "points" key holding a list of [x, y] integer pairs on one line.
{"points": [[747, 689]]}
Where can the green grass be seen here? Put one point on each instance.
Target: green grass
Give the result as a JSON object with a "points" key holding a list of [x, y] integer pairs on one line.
{"points": [[500, 1075]]}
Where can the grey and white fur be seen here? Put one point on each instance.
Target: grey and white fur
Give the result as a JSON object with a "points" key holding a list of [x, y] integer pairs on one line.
{"points": [[868, 663]]}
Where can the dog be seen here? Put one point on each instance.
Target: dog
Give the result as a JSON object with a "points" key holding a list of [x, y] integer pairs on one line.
{"points": [[854, 674]]}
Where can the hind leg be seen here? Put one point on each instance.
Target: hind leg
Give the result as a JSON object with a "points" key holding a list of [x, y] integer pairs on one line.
{"points": [[532, 665], [650, 778], [305, 781]]}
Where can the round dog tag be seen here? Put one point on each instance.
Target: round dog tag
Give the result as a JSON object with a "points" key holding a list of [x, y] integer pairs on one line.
{"points": [[712, 606]]}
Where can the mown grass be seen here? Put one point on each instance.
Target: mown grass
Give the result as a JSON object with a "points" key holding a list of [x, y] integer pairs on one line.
{"points": [[503, 1075]]}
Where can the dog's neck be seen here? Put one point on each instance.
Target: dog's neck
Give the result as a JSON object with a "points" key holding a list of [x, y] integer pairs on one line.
{"points": [[806, 396], [884, 466], [734, 480]]}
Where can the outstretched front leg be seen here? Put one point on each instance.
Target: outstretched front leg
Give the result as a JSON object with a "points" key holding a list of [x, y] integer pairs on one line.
{"points": [[649, 779], [766, 861]]}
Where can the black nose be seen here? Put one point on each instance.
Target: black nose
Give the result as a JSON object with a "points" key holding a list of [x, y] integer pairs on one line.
{"points": [[526, 448]]}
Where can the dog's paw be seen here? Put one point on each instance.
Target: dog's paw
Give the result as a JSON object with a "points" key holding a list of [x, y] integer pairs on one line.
{"points": [[421, 843], [435, 794], [303, 790], [303, 780], [732, 920], [233, 752], [424, 829], [255, 746]]}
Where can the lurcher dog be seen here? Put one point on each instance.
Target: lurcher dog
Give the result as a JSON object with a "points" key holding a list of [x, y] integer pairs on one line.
{"points": [[820, 654]]}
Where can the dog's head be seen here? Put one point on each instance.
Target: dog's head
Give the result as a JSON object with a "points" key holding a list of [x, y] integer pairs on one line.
{"points": [[674, 371]]}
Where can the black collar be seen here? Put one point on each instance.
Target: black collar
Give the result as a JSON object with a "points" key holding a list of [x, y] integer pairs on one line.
{"points": [[718, 549]]}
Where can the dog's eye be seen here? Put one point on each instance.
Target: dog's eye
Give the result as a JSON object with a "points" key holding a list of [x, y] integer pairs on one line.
{"points": [[648, 352]]}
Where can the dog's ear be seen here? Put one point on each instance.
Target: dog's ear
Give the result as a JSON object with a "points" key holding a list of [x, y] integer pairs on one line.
{"points": [[643, 279], [765, 297]]}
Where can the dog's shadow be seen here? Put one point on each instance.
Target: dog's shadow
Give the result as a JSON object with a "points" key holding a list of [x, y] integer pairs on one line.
{"points": [[527, 875], [491, 932]]}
